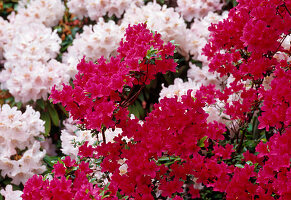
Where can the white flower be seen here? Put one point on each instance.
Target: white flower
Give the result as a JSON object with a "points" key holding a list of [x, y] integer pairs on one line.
{"points": [[99, 40], [179, 88], [72, 135], [32, 42], [10, 194], [20, 155], [39, 11], [162, 19], [20, 170], [190, 9], [32, 80], [123, 169], [17, 129], [98, 8], [110, 134], [6, 34], [202, 76]]}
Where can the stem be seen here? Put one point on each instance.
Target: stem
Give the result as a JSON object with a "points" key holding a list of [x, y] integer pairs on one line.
{"points": [[284, 5], [239, 148], [103, 135]]}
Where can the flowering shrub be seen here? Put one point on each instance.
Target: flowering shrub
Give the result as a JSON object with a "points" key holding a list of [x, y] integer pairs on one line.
{"points": [[223, 134]]}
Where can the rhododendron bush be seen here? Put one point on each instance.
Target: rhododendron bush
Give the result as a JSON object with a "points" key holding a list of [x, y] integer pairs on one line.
{"points": [[147, 105]]}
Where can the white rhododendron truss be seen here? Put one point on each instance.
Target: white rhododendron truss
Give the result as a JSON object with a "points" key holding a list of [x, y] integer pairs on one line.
{"points": [[190, 9], [95, 41], [46, 12], [98, 8], [20, 154], [30, 70]]}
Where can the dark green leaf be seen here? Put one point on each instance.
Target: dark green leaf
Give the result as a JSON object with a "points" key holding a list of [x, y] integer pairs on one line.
{"points": [[40, 103], [63, 109], [50, 160], [46, 117], [54, 115]]}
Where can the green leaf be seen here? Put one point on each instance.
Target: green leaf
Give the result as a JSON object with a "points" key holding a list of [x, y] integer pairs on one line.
{"points": [[118, 195], [250, 128], [63, 109], [201, 141], [54, 115], [239, 165], [250, 163], [40, 103], [7, 5], [74, 31], [46, 118], [163, 159], [50, 160]]}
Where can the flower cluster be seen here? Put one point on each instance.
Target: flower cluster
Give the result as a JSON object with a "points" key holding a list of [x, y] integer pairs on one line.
{"points": [[96, 9], [102, 39], [100, 90], [161, 19], [62, 185], [190, 9], [48, 13], [20, 155], [29, 52], [178, 141]]}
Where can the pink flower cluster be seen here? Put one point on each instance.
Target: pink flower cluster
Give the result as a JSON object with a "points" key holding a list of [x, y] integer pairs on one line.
{"points": [[69, 182], [243, 46], [171, 131], [100, 92]]}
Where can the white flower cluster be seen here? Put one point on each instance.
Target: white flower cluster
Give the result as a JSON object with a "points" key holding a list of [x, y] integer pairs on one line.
{"points": [[162, 19], [98, 8], [20, 155], [32, 42], [179, 88], [29, 49], [10, 194], [72, 135], [199, 34], [6, 35], [201, 76], [99, 40], [46, 12], [190, 9]]}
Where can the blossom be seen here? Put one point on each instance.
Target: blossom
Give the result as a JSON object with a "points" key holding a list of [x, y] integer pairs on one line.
{"points": [[30, 70], [29, 164], [161, 19], [18, 131], [99, 86], [102, 39], [71, 136], [39, 11], [10, 194], [96, 9], [32, 80], [190, 9]]}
